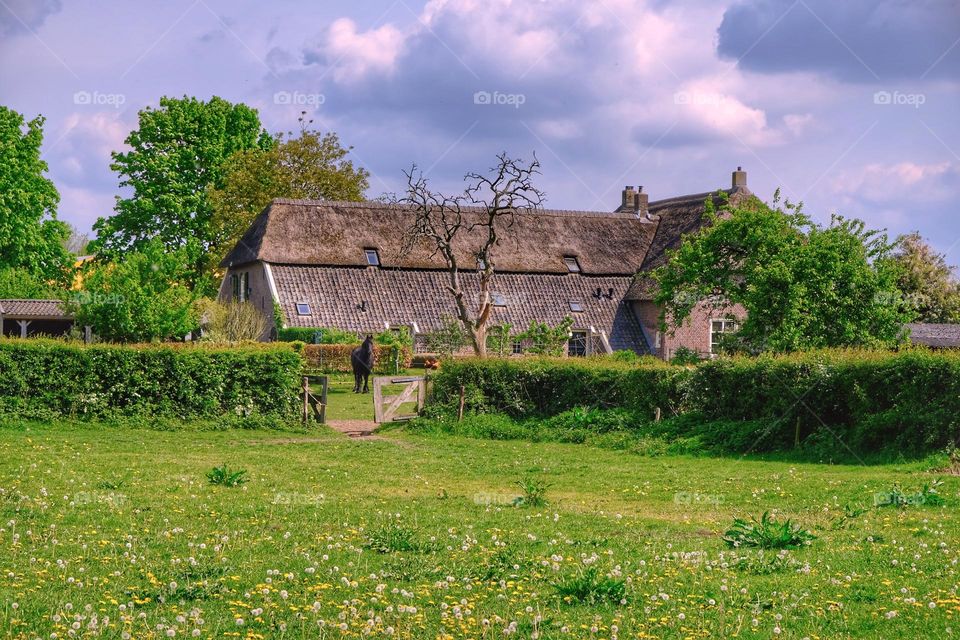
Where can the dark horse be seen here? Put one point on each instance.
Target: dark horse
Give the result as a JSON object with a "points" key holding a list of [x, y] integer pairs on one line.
{"points": [[362, 360]]}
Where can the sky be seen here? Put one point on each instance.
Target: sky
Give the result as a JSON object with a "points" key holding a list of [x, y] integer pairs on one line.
{"points": [[851, 107]]}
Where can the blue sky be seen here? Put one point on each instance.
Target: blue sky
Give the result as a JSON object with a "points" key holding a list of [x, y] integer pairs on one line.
{"points": [[849, 106]]}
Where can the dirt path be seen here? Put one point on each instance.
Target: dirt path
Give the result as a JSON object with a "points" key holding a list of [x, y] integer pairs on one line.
{"points": [[355, 428]]}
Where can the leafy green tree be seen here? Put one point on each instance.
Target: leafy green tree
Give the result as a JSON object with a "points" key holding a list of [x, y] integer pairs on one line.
{"points": [[312, 166], [178, 152], [926, 280], [802, 285], [144, 297], [31, 237], [16, 282], [546, 340]]}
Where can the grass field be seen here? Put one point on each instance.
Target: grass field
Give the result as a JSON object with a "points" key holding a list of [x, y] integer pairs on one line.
{"points": [[116, 532]]}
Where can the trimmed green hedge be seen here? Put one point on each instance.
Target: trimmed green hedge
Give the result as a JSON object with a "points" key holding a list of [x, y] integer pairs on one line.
{"points": [[858, 401], [865, 399], [525, 387], [48, 378]]}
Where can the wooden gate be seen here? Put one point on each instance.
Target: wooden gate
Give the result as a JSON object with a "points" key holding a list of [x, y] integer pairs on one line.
{"points": [[317, 406], [385, 408]]}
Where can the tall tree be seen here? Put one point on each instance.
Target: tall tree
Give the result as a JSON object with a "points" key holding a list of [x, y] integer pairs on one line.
{"points": [[31, 237], [926, 280], [802, 285], [442, 223], [177, 152], [312, 165], [143, 297]]}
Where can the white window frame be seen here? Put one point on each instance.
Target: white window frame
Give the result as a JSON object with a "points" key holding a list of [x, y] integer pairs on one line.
{"points": [[725, 322]]}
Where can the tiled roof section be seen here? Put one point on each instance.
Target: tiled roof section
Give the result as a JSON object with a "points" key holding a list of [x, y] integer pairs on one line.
{"points": [[38, 309], [935, 335], [403, 297], [336, 233]]}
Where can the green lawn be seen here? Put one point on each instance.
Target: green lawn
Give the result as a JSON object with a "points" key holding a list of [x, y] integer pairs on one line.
{"points": [[109, 530]]}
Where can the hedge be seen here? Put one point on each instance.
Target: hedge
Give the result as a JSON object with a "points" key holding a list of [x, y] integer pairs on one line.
{"points": [[47, 378], [868, 400], [861, 401], [335, 358], [525, 387]]}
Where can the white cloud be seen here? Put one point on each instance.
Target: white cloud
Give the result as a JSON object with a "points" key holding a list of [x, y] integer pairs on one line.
{"points": [[353, 54], [899, 182]]}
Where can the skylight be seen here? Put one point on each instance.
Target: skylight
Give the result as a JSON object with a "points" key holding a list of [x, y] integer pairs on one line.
{"points": [[373, 258], [576, 306], [498, 299], [303, 309], [572, 265]]}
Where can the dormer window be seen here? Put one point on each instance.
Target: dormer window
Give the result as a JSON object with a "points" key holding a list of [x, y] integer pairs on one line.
{"points": [[373, 258], [576, 306], [572, 265], [303, 309]]}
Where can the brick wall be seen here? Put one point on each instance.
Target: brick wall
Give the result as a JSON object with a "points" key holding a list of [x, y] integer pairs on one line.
{"points": [[693, 333]]}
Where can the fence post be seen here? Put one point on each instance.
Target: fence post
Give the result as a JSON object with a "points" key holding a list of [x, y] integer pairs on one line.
{"points": [[463, 398], [323, 400], [306, 398], [656, 415]]}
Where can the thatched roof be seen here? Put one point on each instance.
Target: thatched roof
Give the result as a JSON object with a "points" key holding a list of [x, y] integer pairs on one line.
{"points": [[336, 233], [677, 217], [33, 310]]}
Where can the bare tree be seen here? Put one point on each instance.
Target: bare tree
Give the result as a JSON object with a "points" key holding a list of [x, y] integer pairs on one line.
{"points": [[487, 209]]}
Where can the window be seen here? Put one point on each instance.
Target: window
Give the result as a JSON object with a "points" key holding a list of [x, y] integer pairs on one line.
{"points": [[577, 345], [373, 258], [516, 348], [303, 309], [717, 329], [498, 299], [572, 265], [240, 287], [576, 306]]}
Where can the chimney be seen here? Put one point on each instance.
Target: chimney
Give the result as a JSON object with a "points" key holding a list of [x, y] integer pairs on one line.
{"points": [[641, 202], [629, 195], [739, 178]]}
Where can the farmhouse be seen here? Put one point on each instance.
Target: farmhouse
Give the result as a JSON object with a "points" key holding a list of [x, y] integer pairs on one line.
{"points": [[342, 265]]}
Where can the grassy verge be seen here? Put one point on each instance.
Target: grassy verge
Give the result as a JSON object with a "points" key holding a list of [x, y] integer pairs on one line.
{"points": [[113, 531]]}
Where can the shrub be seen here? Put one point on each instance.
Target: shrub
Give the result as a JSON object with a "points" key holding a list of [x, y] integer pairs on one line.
{"points": [[47, 379], [767, 533], [534, 492], [528, 387], [907, 401], [231, 321], [590, 586], [226, 477], [308, 334]]}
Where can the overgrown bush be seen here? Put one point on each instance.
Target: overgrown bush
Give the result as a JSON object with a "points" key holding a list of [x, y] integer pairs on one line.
{"points": [[838, 402], [46, 379], [526, 387], [869, 400]]}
